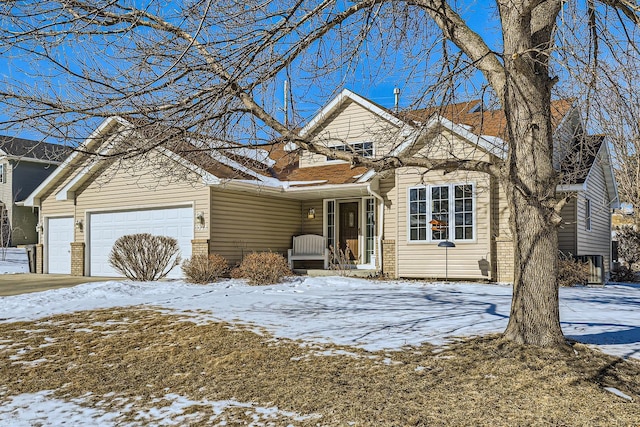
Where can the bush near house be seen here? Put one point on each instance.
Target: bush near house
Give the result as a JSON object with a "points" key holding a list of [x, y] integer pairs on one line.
{"points": [[629, 245], [572, 272], [205, 269], [262, 268], [145, 257]]}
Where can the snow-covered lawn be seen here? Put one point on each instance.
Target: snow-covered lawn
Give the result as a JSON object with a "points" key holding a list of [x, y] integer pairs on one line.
{"points": [[369, 314], [13, 260]]}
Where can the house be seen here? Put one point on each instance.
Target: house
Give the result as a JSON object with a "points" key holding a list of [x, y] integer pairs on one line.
{"points": [[232, 199], [24, 164]]}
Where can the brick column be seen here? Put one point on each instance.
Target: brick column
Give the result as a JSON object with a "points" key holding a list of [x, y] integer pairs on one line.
{"points": [[200, 247], [77, 258], [39, 258], [504, 260], [389, 258]]}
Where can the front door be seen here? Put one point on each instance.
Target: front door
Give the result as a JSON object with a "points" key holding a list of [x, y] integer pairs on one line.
{"points": [[349, 229]]}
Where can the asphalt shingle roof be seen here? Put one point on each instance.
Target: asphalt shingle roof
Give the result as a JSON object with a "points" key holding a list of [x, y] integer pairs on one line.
{"points": [[29, 149]]}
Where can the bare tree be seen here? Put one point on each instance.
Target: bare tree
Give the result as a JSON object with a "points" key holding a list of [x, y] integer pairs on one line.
{"points": [[213, 68]]}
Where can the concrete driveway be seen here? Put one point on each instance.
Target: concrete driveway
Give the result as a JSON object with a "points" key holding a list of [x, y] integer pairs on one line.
{"points": [[15, 284]]}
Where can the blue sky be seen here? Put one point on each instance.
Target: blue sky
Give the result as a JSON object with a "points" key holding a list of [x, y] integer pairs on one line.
{"points": [[364, 80]]}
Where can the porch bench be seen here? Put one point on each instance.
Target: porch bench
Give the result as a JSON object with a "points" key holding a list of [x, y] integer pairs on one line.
{"points": [[309, 247]]}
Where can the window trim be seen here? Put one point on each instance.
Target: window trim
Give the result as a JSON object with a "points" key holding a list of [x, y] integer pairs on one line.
{"points": [[343, 147], [452, 213], [588, 216]]}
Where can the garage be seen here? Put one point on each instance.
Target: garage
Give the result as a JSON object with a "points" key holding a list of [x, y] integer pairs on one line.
{"points": [[59, 238], [104, 228]]}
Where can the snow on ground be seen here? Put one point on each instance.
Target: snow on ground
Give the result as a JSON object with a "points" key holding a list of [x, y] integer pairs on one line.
{"points": [[13, 260], [369, 314]]}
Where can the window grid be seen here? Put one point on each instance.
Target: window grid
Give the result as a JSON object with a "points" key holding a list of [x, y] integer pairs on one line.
{"points": [[452, 204], [463, 210], [370, 230], [364, 149], [418, 214], [331, 223], [440, 212]]}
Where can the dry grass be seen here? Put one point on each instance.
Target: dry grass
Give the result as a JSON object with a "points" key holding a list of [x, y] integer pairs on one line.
{"points": [[128, 360]]}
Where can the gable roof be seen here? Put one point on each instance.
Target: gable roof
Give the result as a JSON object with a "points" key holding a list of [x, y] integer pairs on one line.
{"points": [[485, 122], [578, 163], [276, 167], [213, 162], [27, 149], [345, 96]]}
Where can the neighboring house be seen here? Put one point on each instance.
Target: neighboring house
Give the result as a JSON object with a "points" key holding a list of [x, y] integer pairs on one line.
{"points": [[239, 199], [24, 164]]}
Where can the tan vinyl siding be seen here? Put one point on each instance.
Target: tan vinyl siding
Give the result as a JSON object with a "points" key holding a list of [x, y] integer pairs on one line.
{"points": [[426, 259], [246, 222], [352, 123], [597, 241], [312, 226], [568, 228], [52, 207], [132, 186], [389, 191]]}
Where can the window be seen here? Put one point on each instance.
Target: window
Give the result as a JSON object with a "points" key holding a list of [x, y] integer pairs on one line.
{"points": [[331, 223], [441, 212], [3, 174], [364, 149], [418, 214], [370, 231], [587, 214]]}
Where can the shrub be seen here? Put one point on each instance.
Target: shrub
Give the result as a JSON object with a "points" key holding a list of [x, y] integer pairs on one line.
{"points": [[262, 268], [572, 272], [205, 269], [629, 245], [340, 260], [144, 256], [623, 274]]}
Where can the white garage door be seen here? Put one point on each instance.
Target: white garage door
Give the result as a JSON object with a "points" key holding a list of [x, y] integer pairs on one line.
{"points": [[105, 228], [59, 238]]}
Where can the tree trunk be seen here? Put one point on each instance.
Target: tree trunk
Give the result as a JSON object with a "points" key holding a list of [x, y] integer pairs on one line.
{"points": [[530, 179]]}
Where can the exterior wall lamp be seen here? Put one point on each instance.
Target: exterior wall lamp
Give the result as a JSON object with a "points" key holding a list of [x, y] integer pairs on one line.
{"points": [[79, 224], [311, 214], [200, 218]]}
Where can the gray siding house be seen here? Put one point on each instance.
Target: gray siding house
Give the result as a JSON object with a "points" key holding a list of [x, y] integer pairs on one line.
{"points": [[24, 164]]}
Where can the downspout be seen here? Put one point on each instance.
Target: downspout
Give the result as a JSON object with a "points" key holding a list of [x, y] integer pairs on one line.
{"points": [[380, 222]]}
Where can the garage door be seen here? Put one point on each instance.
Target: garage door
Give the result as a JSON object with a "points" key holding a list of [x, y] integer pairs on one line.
{"points": [[59, 238], [105, 228]]}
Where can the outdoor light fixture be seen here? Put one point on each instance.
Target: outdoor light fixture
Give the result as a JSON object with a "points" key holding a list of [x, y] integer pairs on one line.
{"points": [[79, 224], [311, 214], [200, 218], [446, 245]]}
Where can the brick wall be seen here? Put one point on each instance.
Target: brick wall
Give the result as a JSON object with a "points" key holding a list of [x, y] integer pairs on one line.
{"points": [[200, 247], [389, 258], [77, 258], [39, 258], [504, 260]]}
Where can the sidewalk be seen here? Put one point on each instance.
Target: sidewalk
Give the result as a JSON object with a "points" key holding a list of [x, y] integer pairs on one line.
{"points": [[15, 284]]}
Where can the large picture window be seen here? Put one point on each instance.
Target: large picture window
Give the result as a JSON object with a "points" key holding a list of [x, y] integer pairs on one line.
{"points": [[441, 212]]}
